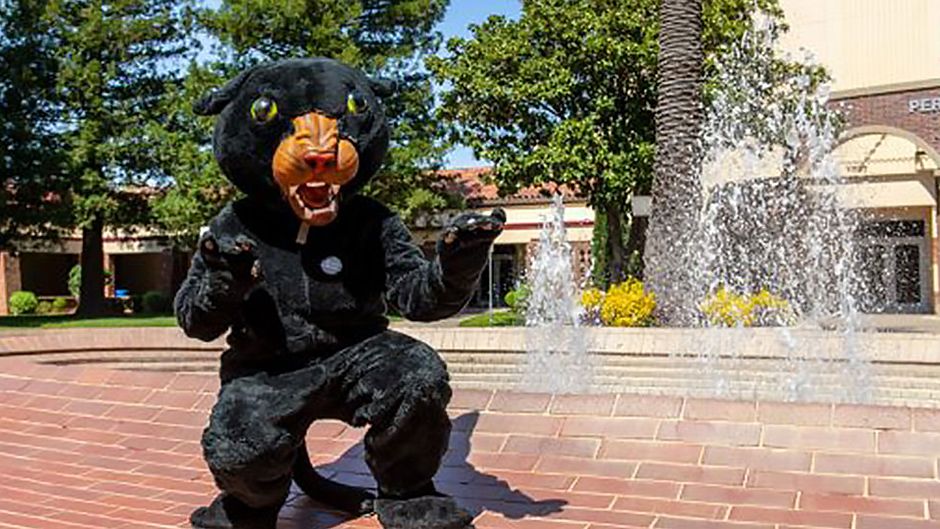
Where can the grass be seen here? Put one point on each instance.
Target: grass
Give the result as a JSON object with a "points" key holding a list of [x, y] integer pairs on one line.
{"points": [[61, 321], [502, 318], [64, 321]]}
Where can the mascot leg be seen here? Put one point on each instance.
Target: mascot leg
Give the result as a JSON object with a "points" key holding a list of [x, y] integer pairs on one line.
{"points": [[250, 446], [255, 438], [400, 387]]}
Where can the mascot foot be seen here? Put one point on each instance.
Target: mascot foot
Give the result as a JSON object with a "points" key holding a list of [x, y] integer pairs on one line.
{"points": [[425, 512], [226, 512]]}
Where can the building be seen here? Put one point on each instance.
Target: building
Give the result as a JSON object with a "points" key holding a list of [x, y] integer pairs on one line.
{"points": [[147, 261], [138, 263], [525, 213], [884, 57]]}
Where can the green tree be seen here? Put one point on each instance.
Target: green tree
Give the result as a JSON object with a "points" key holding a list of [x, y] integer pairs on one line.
{"points": [[114, 64], [386, 38], [183, 152], [567, 94], [33, 187]]}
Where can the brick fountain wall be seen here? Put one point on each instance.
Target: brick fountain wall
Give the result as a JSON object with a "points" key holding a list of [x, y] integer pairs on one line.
{"points": [[905, 369]]}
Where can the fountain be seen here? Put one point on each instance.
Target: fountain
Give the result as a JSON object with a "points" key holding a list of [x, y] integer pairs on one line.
{"points": [[557, 346], [771, 220]]}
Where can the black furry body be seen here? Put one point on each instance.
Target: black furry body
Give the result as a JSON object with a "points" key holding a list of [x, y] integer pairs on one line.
{"points": [[298, 312], [308, 333], [306, 344]]}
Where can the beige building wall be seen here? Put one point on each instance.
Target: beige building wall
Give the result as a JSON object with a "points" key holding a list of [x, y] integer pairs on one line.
{"points": [[524, 222], [867, 44]]}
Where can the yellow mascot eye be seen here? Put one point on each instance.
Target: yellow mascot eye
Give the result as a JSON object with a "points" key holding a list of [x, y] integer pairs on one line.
{"points": [[356, 102], [263, 110]]}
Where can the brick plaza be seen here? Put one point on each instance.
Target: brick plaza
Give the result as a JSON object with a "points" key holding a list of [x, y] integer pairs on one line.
{"points": [[82, 446]]}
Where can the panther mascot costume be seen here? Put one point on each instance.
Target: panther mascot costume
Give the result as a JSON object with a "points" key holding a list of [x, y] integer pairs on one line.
{"points": [[301, 271]]}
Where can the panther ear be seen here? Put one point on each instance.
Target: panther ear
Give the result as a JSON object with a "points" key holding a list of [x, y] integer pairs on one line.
{"points": [[216, 100], [383, 87]]}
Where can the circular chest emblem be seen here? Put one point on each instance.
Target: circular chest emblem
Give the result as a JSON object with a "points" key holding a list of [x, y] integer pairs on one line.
{"points": [[331, 265]]}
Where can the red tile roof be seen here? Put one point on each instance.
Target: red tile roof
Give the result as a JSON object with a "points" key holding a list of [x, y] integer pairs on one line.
{"points": [[475, 185]]}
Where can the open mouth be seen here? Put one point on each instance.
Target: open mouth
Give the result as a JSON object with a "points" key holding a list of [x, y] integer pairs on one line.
{"points": [[316, 195], [315, 199]]}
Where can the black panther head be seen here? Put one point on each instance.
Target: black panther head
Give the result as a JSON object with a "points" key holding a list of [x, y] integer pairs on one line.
{"points": [[307, 131]]}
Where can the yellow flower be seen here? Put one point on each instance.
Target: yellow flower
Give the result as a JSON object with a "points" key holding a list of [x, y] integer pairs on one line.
{"points": [[591, 299], [729, 309], [628, 305]]}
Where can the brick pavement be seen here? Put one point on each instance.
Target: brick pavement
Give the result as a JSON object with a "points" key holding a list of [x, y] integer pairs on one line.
{"points": [[84, 447]]}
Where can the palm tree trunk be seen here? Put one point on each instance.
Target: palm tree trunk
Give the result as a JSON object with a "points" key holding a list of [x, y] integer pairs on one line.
{"points": [[675, 192]]}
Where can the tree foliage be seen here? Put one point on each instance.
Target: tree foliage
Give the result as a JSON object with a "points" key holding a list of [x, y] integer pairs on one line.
{"points": [[567, 94], [33, 185], [112, 60], [114, 67], [183, 152]]}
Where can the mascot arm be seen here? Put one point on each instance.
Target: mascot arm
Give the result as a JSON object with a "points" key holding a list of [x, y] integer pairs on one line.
{"points": [[223, 270], [429, 290]]}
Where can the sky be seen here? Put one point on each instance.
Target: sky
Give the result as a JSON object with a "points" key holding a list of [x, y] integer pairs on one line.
{"points": [[461, 14]]}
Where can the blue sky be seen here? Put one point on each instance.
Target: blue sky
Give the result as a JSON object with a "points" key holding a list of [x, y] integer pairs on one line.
{"points": [[461, 14]]}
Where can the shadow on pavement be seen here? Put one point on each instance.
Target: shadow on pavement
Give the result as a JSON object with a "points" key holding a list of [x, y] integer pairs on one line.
{"points": [[474, 490]]}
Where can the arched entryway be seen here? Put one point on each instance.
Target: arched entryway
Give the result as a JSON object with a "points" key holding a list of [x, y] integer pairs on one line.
{"points": [[891, 178]]}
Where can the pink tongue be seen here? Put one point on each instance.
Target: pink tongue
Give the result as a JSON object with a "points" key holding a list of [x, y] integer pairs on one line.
{"points": [[315, 197]]}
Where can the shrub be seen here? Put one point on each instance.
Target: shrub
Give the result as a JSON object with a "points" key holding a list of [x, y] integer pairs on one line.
{"points": [[44, 307], [627, 304], [592, 298], [517, 297], [60, 304], [75, 279], [23, 302], [137, 303], [156, 302], [771, 310], [725, 308]]}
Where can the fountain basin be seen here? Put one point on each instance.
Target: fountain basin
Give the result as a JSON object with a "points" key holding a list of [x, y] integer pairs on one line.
{"points": [[647, 361]]}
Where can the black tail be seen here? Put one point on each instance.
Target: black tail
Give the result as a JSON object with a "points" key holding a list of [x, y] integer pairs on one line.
{"points": [[346, 498]]}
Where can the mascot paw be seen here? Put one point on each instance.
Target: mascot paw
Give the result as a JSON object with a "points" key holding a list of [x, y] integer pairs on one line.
{"points": [[426, 512], [226, 512], [232, 264], [234, 255], [471, 227]]}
